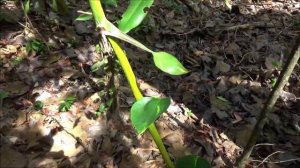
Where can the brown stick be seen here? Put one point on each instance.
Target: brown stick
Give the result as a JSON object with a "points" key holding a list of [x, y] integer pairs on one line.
{"points": [[282, 80]]}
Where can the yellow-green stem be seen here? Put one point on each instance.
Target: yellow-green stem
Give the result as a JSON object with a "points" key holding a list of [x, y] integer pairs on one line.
{"points": [[126, 68], [97, 11], [156, 137], [138, 95]]}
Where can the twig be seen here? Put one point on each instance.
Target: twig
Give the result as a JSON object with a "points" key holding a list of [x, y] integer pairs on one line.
{"points": [[264, 144], [249, 26], [282, 161], [83, 12], [265, 159], [282, 80]]}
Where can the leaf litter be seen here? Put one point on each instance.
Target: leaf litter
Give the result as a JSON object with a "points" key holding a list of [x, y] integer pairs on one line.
{"points": [[233, 57]]}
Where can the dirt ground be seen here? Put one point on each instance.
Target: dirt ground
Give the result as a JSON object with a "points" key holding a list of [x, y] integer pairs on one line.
{"points": [[234, 58]]}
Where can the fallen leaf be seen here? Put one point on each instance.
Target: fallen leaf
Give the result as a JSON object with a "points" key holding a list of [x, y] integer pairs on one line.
{"points": [[221, 66]]}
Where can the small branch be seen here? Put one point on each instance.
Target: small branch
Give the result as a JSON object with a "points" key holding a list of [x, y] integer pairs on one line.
{"points": [[282, 80], [276, 162], [83, 12], [265, 159]]}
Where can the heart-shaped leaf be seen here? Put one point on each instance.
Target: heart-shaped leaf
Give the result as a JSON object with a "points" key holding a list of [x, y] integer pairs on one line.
{"points": [[84, 17], [168, 63], [192, 161], [134, 14], [145, 111]]}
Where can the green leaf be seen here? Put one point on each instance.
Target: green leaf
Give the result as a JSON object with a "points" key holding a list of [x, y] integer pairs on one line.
{"points": [[38, 105], [222, 98], [102, 108], [3, 95], [27, 6], [84, 17], [100, 65], [110, 2], [192, 161], [168, 63], [145, 111], [134, 15], [66, 105]]}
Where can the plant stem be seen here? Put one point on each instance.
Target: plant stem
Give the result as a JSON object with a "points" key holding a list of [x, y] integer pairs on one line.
{"points": [[126, 68], [100, 19], [155, 135], [282, 80], [138, 95], [97, 11]]}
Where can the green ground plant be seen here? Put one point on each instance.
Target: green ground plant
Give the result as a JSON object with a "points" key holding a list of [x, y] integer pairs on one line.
{"points": [[145, 110], [38, 105], [66, 104], [37, 46]]}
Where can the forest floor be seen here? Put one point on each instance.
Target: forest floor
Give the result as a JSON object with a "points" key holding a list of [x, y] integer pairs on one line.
{"points": [[56, 112]]}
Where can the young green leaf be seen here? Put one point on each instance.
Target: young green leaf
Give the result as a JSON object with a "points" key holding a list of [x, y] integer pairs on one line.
{"points": [[145, 111], [38, 105], [84, 17], [134, 15], [192, 161], [26, 6], [67, 103], [168, 63]]}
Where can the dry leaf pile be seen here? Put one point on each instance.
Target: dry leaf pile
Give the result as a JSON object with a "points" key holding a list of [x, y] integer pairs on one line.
{"points": [[234, 56]]}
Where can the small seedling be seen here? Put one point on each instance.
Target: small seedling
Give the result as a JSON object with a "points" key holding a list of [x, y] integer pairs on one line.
{"points": [[36, 46], [276, 64], [102, 108], [38, 105], [273, 81], [98, 48], [17, 60], [67, 103], [187, 112]]}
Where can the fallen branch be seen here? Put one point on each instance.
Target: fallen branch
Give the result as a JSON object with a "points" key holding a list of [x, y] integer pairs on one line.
{"points": [[282, 80]]}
